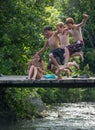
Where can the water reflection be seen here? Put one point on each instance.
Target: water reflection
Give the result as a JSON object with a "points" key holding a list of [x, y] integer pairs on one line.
{"points": [[67, 116]]}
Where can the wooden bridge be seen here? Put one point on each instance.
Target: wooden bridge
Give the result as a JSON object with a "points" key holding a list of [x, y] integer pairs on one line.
{"points": [[22, 81]]}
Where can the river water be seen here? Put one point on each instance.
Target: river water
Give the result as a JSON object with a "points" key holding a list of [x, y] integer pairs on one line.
{"points": [[66, 116]]}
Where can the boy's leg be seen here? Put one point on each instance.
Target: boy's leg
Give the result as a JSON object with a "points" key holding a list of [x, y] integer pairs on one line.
{"points": [[67, 56], [53, 70], [53, 60], [73, 64], [78, 54], [69, 64], [68, 72]]}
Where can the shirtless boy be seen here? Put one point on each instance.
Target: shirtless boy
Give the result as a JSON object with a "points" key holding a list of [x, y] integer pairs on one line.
{"points": [[64, 42], [63, 34], [75, 30], [56, 55], [74, 49]]}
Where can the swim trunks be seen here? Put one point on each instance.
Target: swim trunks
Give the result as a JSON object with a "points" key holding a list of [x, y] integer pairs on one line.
{"points": [[75, 47], [58, 55]]}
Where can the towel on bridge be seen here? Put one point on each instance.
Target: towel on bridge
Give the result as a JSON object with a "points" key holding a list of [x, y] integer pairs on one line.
{"points": [[50, 76]]}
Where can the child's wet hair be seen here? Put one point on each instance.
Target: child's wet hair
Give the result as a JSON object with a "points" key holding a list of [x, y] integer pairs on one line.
{"points": [[61, 24], [69, 20], [49, 27]]}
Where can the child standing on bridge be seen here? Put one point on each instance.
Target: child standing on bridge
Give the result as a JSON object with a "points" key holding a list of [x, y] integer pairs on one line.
{"points": [[36, 68]]}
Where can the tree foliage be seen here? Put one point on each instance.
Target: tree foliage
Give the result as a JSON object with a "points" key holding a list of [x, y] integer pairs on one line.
{"points": [[21, 34], [21, 28]]}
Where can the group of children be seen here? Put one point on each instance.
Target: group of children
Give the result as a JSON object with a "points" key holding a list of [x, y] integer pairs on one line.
{"points": [[60, 49]]}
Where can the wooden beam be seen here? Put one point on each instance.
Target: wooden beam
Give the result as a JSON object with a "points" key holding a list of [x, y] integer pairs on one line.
{"points": [[22, 81]]}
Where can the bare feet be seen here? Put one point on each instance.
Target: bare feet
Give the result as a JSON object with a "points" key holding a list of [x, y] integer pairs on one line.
{"points": [[81, 56], [57, 71], [61, 67], [33, 78], [29, 78], [59, 77], [69, 69], [68, 73], [76, 65]]}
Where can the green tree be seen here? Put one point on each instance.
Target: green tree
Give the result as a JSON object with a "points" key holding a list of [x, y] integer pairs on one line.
{"points": [[21, 28]]}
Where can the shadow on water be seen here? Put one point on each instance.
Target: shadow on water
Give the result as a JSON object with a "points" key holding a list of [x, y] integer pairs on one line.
{"points": [[7, 120], [12, 125]]}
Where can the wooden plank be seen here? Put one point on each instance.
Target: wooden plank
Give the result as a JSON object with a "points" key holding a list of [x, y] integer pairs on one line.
{"points": [[22, 81]]}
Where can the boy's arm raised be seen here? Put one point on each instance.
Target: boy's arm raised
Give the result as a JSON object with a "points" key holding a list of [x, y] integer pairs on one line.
{"points": [[85, 17]]}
